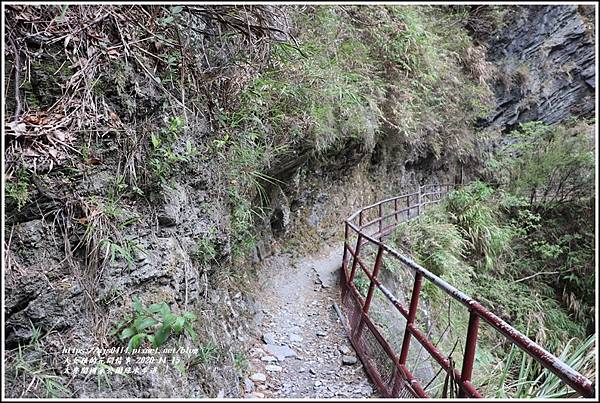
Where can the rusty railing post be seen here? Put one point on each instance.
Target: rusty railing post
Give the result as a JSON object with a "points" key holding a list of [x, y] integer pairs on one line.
{"points": [[380, 219], [355, 258], [360, 219], [371, 291], [466, 372], [345, 258], [396, 210], [374, 274], [412, 313]]}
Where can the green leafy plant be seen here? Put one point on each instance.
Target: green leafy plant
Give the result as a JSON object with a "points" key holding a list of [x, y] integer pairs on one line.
{"points": [[551, 164], [361, 281], [153, 324], [438, 244], [474, 213], [103, 372], [164, 158], [241, 223], [18, 189], [240, 362], [204, 252], [530, 380], [207, 353], [27, 364], [125, 250], [171, 15]]}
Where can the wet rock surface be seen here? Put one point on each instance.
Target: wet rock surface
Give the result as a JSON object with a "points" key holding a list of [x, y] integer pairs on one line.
{"points": [[308, 353]]}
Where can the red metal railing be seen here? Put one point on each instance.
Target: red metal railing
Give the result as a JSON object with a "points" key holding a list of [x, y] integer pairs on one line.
{"points": [[387, 369]]}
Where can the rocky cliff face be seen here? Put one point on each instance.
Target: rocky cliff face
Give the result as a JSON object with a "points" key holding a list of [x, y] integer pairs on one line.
{"points": [[545, 61], [66, 284]]}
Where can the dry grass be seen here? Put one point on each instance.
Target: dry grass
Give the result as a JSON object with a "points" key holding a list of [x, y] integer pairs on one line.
{"points": [[96, 61], [475, 61], [159, 43]]}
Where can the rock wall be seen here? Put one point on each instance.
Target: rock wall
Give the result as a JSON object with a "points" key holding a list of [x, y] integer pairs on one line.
{"points": [[547, 54], [544, 58]]}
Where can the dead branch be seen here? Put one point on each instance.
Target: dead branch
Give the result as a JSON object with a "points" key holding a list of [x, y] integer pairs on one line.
{"points": [[17, 55]]}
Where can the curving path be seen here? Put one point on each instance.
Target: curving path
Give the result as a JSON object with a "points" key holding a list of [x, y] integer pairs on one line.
{"points": [[302, 350]]}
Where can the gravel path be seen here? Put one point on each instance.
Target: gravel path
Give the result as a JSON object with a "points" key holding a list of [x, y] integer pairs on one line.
{"points": [[303, 351]]}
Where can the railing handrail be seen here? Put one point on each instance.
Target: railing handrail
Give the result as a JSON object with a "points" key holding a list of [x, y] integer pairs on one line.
{"points": [[571, 377]]}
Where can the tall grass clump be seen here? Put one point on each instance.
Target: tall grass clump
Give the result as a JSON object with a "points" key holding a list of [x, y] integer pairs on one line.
{"points": [[516, 259], [472, 210], [319, 96], [438, 244], [523, 378], [550, 164], [432, 98], [439, 247], [357, 72]]}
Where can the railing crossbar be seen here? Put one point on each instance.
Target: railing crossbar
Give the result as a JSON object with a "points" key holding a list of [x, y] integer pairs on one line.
{"points": [[579, 383]]}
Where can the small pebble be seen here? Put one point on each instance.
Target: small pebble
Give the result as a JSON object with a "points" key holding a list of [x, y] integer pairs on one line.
{"points": [[295, 338], [258, 377], [273, 368], [349, 360], [268, 358], [268, 338], [344, 349], [248, 385]]}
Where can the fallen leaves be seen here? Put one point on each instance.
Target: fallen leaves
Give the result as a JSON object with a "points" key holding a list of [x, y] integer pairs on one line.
{"points": [[94, 161], [114, 118], [114, 54], [40, 118], [39, 140]]}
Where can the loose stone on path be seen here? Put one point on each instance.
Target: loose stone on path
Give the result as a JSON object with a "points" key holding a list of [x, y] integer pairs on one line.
{"points": [[268, 338], [273, 368], [349, 360], [280, 352], [258, 377], [298, 325]]}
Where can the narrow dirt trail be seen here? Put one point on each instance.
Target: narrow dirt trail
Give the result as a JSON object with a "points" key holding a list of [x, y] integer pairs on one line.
{"points": [[303, 351]]}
